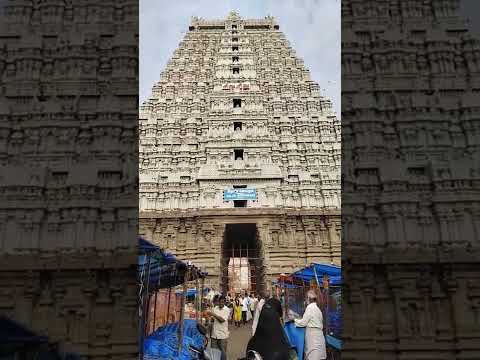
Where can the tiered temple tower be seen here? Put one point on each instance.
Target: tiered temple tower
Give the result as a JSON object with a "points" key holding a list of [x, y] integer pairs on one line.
{"points": [[236, 109]]}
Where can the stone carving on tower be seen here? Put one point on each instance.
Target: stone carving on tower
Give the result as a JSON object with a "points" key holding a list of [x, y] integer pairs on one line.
{"points": [[68, 173], [235, 106], [410, 196]]}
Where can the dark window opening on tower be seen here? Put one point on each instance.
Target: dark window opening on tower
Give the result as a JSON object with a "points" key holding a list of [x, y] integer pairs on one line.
{"points": [[234, 32], [234, 48], [237, 103], [237, 125], [191, 28], [276, 27], [235, 59], [236, 70], [239, 203], [235, 39], [238, 154], [234, 26], [239, 186]]}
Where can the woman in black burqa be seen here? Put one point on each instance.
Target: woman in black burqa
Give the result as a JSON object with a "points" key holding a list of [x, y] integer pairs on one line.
{"points": [[270, 340]]}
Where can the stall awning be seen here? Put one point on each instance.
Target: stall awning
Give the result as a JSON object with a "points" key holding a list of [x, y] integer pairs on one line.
{"points": [[285, 284], [192, 291], [163, 269], [308, 273]]}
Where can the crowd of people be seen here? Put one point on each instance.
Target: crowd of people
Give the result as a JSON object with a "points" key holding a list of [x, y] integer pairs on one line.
{"points": [[266, 317]]}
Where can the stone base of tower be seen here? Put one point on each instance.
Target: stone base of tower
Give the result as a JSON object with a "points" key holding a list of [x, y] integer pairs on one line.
{"points": [[85, 303], [274, 240]]}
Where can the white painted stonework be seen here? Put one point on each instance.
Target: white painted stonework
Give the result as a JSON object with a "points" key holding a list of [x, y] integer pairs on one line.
{"points": [[190, 129], [289, 135]]}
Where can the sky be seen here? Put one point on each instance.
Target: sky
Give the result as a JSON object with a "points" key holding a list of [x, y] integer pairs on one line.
{"points": [[311, 26]]}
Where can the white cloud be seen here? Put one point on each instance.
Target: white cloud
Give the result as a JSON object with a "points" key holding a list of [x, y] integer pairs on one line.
{"points": [[311, 26]]}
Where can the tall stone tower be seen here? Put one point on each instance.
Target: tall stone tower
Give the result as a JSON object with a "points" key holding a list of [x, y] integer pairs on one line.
{"points": [[240, 155]]}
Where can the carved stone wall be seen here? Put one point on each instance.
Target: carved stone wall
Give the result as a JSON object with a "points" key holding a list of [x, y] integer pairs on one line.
{"points": [[191, 126], [68, 172], [288, 239], [410, 197]]}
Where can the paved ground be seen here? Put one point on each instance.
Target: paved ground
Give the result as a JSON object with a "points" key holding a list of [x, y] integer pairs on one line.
{"points": [[238, 341]]}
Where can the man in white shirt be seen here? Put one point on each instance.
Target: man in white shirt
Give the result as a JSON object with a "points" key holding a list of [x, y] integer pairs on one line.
{"points": [[312, 320], [253, 303], [220, 314], [245, 308]]}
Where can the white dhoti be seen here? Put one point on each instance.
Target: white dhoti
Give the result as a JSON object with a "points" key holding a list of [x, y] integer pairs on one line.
{"points": [[315, 348], [249, 315]]}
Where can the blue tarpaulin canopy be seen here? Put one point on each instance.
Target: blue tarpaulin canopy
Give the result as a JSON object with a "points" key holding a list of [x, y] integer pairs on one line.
{"points": [[192, 292], [334, 273], [285, 284], [162, 269]]}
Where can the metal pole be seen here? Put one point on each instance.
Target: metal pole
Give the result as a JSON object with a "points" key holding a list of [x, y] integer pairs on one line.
{"points": [[197, 296], [140, 313], [168, 304], [155, 310], [201, 302], [147, 289], [303, 295], [143, 321], [327, 323], [182, 312], [287, 299], [147, 295], [240, 251], [248, 269]]}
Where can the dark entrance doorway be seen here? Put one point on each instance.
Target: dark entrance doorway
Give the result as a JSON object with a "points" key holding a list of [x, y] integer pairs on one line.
{"points": [[242, 265]]}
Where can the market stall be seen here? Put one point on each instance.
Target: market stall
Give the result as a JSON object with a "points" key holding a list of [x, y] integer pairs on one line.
{"points": [[191, 302], [164, 331], [326, 281]]}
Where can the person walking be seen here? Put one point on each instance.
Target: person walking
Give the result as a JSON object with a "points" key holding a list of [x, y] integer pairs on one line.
{"points": [[255, 300], [237, 312], [252, 305], [312, 320], [245, 308], [229, 304], [249, 310], [258, 310], [220, 334], [270, 340]]}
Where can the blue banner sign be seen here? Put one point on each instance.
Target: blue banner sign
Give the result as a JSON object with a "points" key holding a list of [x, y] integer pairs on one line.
{"points": [[239, 194]]}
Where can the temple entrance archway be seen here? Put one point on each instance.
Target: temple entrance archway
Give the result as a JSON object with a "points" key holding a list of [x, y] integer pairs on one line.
{"points": [[242, 263]]}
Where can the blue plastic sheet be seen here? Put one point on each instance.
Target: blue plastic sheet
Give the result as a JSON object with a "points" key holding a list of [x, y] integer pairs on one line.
{"points": [[163, 343], [334, 342], [334, 273], [285, 285], [191, 292], [296, 337], [163, 269], [335, 323]]}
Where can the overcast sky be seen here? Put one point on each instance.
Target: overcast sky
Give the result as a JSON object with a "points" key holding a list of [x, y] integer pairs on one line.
{"points": [[311, 26]]}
